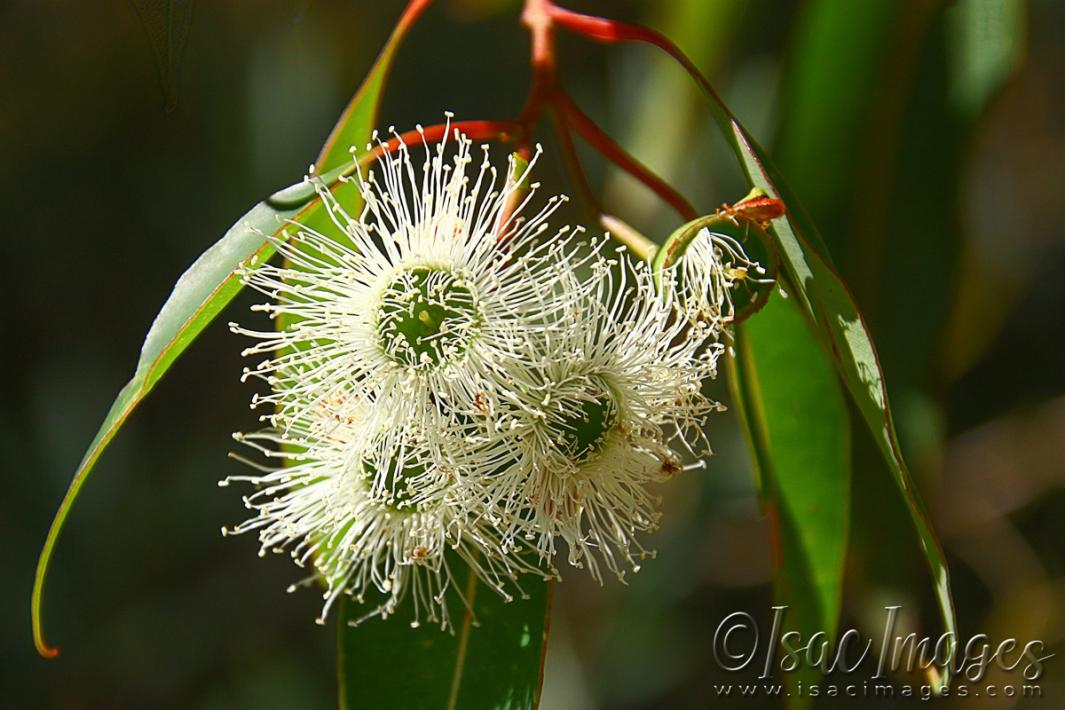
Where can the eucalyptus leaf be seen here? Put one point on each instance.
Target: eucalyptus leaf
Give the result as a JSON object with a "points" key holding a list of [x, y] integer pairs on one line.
{"points": [[840, 327], [824, 299], [494, 660], [796, 420], [198, 296], [211, 283]]}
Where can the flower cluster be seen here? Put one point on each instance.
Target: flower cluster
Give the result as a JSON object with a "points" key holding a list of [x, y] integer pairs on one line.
{"points": [[452, 386]]}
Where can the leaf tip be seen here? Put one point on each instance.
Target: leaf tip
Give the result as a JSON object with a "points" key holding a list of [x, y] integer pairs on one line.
{"points": [[43, 648]]}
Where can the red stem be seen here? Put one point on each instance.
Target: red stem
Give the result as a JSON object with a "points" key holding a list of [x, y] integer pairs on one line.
{"points": [[540, 17], [601, 141], [411, 13], [609, 31], [572, 161], [476, 130], [536, 16]]}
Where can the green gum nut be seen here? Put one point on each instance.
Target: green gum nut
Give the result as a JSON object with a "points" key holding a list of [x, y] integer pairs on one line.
{"points": [[427, 318], [582, 433]]}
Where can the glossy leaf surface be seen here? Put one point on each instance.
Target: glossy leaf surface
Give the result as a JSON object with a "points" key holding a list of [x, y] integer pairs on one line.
{"points": [[198, 296], [796, 420], [822, 296], [825, 300], [205, 289]]}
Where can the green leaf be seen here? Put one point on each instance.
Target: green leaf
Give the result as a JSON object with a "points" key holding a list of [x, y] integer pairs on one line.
{"points": [[494, 660], [827, 303], [208, 285], [198, 296], [825, 300], [840, 327], [894, 137], [789, 399]]}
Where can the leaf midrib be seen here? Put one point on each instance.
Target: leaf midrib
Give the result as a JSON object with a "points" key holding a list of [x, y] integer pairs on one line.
{"points": [[464, 640]]}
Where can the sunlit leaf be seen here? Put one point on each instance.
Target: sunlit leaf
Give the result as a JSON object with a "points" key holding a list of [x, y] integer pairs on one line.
{"points": [[205, 289], [822, 296], [198, 296], [828, 304], [876, 148], [789, 398]]}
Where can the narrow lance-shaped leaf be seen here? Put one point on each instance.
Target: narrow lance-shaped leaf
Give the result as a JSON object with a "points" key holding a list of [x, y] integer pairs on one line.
{"points": [[198, 296], [789, 399], [841, 329], [205, 289], [817, 288], [831, 310], [890, 137]]}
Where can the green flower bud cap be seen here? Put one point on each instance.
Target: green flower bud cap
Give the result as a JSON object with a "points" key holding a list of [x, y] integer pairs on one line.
{"points": [[427, 317], [581, 433]]}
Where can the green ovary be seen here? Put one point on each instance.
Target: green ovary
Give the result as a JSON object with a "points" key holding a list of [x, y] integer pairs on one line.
{"points": [[581, 434], [427, 318]]}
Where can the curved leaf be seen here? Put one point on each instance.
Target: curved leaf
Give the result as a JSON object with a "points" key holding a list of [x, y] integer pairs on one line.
{"points": [[840, 327], [829, 306], [493, 660], [209, 284], [198, 296], [818, 290]]}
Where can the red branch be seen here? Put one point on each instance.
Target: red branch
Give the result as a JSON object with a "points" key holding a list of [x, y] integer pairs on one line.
{"points": [[540, 16], [572, 162], [608, 147], [476, 130], [411, 13], [609, 31]]}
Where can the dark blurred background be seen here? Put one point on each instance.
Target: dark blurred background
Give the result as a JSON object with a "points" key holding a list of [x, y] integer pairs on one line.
{"points": [[128, 148]]}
